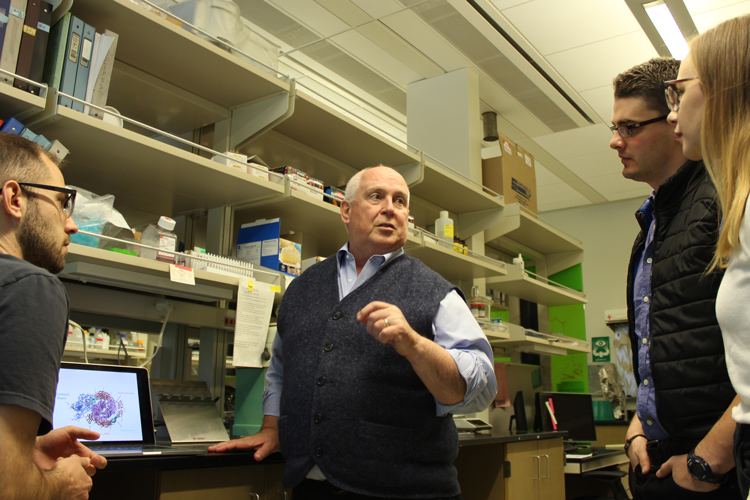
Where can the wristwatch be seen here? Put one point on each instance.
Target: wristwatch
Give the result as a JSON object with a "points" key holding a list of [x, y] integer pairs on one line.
{"points": [[701, 471]]}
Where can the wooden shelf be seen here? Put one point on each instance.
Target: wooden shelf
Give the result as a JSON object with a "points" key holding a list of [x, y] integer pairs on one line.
{"points": [[148, 177]]}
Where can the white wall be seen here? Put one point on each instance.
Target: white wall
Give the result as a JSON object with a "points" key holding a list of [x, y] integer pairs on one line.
{"points": [[607, 231]]}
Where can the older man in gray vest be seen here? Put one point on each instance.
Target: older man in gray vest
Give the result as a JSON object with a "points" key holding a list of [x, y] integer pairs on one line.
{"points": [[374, 353]]}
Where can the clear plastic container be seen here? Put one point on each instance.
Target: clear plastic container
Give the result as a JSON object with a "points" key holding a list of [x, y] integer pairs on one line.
{"points": [[160, 235], [444, 227]]}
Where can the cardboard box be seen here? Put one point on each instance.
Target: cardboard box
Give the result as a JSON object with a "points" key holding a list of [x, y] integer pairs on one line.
{"points": [[509, 170], [259, 243]]}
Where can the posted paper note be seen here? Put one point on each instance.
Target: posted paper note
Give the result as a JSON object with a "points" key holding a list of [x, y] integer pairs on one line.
{"points": [[254, 305]]}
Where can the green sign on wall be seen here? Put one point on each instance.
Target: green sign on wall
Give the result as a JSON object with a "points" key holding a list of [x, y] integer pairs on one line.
{"points": [[601, 351]]}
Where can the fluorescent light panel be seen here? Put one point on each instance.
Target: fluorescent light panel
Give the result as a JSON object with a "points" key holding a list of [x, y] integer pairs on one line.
{"points": [[665, 24]]}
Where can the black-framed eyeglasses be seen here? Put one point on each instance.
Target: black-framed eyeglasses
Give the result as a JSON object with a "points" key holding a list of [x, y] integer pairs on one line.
{"points": [[673, 94], [68, 204], [627, 130]]}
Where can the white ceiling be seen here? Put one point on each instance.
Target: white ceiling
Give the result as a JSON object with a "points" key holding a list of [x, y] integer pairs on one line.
{"points": [[362, 54]]}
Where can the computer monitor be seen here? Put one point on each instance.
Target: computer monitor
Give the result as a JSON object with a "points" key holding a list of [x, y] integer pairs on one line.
{"points": [[574, 412], [519, 416]]}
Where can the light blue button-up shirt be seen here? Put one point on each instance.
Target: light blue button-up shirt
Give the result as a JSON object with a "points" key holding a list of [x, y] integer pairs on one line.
{"points": [[454, 327], [646, 398]]}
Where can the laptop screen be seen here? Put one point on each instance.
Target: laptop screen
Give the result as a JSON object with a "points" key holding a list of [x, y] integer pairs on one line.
{"points": [[111, 400]]}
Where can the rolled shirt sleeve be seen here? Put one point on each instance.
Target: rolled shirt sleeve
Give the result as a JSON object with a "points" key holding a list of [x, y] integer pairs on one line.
{"points": [[457, 331]]}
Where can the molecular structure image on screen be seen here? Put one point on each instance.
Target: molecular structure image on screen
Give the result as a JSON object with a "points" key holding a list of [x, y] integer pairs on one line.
{"points": [[99, 408]]}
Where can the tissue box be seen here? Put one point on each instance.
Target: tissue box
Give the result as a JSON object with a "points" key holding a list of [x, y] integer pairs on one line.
{"points": [[259, 243]]}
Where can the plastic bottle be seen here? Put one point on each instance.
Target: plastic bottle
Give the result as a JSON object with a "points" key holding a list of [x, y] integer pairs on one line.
{"points": [[444, 227], [106, 341], [124, 340], [98, 339], [159, 235]]}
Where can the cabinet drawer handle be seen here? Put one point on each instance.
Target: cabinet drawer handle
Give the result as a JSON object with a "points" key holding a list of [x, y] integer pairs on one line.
{"points": [[547, 457], [255, 496], [538, 468]]}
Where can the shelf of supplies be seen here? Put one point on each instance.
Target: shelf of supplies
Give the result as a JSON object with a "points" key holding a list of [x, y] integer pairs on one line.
{"points": [[520, 284], [148, 177], [76, 349], [330, 146], [168, 52], [94, 265], [526, 233], [334, 134], [14, 102], [540, 343], [494, 335], [450, 264], [305, 219]]}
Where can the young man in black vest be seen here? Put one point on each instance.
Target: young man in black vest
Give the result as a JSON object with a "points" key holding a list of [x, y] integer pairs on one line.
{"points": [[374, 353], [35, 227], [680, 441]]}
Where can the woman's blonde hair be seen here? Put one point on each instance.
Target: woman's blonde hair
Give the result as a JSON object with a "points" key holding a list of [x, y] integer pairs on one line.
{"points": [[721, 58]]}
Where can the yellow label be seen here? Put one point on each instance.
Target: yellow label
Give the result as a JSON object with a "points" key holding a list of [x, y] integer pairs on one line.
{"points": [[449, 231], [28, 29], [250, 285], [276, 289]]}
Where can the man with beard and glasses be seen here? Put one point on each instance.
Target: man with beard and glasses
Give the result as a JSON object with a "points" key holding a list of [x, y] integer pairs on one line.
{"points": [[35, 228]]}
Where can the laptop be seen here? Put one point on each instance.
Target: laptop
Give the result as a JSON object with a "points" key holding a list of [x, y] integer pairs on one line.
{"points": [[114, 401]]}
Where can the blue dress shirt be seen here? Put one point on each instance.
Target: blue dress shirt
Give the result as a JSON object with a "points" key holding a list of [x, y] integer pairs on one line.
{"points": [[646, 398]]}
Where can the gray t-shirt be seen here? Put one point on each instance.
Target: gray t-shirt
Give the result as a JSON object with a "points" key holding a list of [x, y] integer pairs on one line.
{"points": [[34, 312]]}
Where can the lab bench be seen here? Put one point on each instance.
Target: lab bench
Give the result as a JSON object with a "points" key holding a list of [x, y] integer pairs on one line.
{"points": [[488, 464]]}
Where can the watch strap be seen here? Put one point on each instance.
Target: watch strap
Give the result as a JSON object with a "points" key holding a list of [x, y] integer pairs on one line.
{"points": [[707, 476]]}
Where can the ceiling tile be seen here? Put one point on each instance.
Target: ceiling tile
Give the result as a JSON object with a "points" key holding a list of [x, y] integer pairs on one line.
{"points": [[575, 143], [595, 65], [505, 4], [552, 26], [602, 100], [710, 18]]}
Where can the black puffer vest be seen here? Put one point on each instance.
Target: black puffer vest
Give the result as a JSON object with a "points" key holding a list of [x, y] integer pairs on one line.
{"points": [[687, 350]]}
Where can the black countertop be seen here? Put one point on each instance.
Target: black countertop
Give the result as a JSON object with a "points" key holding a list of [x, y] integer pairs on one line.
{"points": [[238, 458], [495, 436]]}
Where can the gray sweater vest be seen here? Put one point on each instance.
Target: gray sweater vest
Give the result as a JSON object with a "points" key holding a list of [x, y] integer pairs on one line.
{"points": [[352, 405]]}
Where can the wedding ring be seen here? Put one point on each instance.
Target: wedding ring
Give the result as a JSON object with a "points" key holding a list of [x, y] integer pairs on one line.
{"points": [[386, 323]]}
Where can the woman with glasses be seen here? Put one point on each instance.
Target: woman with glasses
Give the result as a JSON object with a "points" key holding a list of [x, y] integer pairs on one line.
{"points": [[710, 103]]}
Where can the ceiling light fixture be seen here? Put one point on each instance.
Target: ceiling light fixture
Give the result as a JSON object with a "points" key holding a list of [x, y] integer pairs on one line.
{"points": [[667, 24]]}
